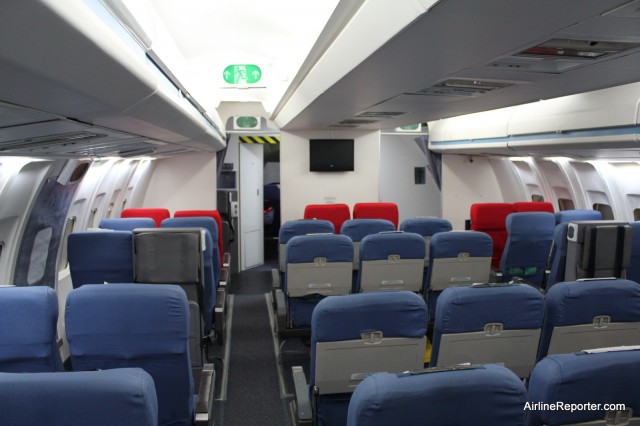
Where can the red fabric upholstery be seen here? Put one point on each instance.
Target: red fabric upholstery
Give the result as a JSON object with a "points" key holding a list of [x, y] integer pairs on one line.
{"points": [[491, 219], [158, 215], [531, 206], [207, 213], [334, 213], [388, 211]]}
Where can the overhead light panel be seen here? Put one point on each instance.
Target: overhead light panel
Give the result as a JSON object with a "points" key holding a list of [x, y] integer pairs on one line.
{"points": [[463, 87], [574, 49]]}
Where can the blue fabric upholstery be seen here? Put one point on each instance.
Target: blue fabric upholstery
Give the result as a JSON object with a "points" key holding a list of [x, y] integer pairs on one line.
{"points": [[136, 325], [304, 249], [580, 378], [127, 223], [294, 228], [578, 302], [446, 245], [357, 229], [483, 395], [425, 226], [340, 318], [28, 322], [468, 309], [96, 257], [380, 246], [528, 246], [558, 255], [574, 215], [123, 396], [633, 270], [211, 258]]}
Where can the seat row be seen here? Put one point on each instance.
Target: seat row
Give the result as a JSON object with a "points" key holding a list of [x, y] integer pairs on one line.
{"points": [[108, 327], [337, 214], [356, 335]]}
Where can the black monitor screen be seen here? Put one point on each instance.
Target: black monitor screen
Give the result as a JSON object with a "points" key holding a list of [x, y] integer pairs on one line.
{"points": [[331, 155]]}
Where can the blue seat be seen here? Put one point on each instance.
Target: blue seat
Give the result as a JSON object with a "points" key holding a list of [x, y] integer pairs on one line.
{"points": [[528, 246], [357, 229], [558, 256], [565, 216], [633, 270], [488, 323], [97, 257], [28, 322], [456, 258], [391, 261], [480, 395], [590, 314], [127, 223], [136, 325], [358, 334], [124, 396], [590, 381], [316, 266], [296, 228], [427, 227]]}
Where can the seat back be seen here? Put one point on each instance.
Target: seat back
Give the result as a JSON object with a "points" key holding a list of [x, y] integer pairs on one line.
{"points": [[127, 223], [357, 229], [533, 206], [136, 325], [157, 214], [124, 396], [558, 256], [427, 227], [28, 329], [528, 245], [388, 211], [590, 382], [358, 334], [334, 213], [295, 228], [574, 215], [215, 215], [633, 270], [491, 219], [391, 261], [490, 394], [590, 314], [97, 257], [488, 324]]}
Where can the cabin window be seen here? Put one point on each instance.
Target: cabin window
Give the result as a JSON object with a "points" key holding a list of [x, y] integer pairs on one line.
{"points": [[39, 255], [1, 247], [566, 204], [605, 209], [71, 222], [537, 198], [92, 221], [110, 210], [636, 215]]}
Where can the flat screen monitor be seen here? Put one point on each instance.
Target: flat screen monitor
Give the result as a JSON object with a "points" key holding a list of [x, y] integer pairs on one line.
{"points": [[331, 155]]}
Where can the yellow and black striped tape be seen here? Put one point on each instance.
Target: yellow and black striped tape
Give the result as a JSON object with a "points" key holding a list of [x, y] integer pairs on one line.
{"points": [[272, 140]]}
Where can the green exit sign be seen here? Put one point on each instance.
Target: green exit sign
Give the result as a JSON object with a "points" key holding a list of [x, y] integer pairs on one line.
{"points": [[242, 74]]}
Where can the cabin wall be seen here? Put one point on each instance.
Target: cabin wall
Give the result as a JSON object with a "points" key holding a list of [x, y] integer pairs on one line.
{"points": [[299, 186], [182, 183], [399, 156]]}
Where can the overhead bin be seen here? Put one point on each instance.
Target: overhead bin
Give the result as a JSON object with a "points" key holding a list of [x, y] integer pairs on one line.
{"points": [[74, 60]]}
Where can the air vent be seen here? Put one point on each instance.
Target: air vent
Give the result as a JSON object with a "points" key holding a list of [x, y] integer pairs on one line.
{"points": [[344, 126], [379, 114], [357, 121], [62, 139], [462, 88], [577, 49]]}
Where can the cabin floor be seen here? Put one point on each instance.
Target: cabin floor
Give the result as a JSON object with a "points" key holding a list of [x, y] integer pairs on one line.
{"points": [[254, 384]]}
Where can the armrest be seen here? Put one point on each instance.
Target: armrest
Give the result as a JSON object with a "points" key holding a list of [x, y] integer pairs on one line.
{"points": [[303, 410], [281, 311], [495, 276], [226, 259], [220, 314], [224, 277], [275, 278], [206, 394]]}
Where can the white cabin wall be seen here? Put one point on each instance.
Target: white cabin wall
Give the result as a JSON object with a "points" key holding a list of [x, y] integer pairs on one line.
{"points": [[399, 156], [182, 183], [299, 186], [467, 180]]}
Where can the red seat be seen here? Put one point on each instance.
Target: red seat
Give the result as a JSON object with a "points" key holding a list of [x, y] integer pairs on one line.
{"points": [[207, 213], [157, 214], [533, 206], [334, 213], [491, 219], [388, 211]]}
